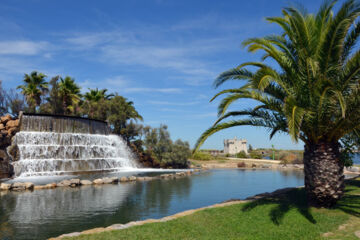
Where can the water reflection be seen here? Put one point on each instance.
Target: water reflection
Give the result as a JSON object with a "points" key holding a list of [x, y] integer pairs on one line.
{"points": [[47, 213]]}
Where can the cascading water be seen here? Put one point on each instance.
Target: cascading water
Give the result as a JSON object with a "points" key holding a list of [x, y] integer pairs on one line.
{"points": [[68, 148]]}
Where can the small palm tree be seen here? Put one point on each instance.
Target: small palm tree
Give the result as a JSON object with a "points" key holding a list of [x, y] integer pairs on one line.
{"points": [[34, 87], [313, 93], [70, 94]]}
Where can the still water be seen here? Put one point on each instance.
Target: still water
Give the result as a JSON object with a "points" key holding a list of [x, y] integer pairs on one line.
{"points": [[51, 212]]}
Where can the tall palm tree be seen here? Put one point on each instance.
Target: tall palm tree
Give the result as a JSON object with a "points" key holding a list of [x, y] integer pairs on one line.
{"points": [[70, 94], [313, 92], [33, 88], [95, 95]]}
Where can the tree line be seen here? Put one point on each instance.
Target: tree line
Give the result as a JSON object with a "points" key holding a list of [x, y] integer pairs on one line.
{"points": [[63, 96]]}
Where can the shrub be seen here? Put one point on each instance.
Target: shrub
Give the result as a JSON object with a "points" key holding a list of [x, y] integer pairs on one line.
{"points": [[202, 156], [241, 154], [241, 165], [255, 155]]}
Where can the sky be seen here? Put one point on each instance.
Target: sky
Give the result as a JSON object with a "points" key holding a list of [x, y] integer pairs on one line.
{"points": [[161, 54]]}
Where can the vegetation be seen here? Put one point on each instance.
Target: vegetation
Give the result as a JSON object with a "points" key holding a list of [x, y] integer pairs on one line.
{"points": [[62, 96], [204, 156], [165, 152], [286, 216], [241, 154], [33, 89], [312, 94]]}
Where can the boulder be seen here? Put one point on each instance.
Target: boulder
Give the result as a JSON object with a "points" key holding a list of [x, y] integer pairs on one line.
{"points": [[253, 165], [51, 185], [18, 186], [5, 119], [74, 182], [114, 179], [132, 178], [2, 127], [5, 186], [12, 124], [29, 185], [107, 180], [98, 181], [37, 187], [124, 179], [140, 179], [64, 183], [85, 182]]}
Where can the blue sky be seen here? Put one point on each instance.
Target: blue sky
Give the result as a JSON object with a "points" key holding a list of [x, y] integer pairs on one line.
{"points": [[163, 55]]}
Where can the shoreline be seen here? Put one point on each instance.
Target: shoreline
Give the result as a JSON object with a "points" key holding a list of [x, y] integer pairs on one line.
{"points": [[176, 215]]}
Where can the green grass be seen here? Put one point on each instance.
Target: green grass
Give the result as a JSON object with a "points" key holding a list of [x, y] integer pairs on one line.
{"points": [[283, 217]]}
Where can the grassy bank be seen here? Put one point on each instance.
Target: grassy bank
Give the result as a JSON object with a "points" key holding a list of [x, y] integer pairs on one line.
{"points": [[283, 217]]}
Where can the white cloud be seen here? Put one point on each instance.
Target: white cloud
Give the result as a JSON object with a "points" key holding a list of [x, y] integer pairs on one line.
{"points": [[173, 103], [22, 47], [159, 90]]}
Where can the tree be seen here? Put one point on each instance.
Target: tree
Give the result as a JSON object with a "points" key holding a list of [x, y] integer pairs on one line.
{"points": [[119, 112], [70, 95], [250, 148], [94, 103], [15, 103], [3, 102], [33, 89], [313, 93]]}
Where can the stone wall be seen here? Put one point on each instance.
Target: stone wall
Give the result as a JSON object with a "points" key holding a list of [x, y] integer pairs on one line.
{"points": [[8, 128]]}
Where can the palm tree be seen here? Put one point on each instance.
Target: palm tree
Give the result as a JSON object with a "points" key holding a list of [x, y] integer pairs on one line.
{"points": [[70, 94], [95, 95], [34, 87], [313, 93]]}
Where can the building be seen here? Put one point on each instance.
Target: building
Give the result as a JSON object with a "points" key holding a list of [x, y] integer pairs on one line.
{"points": [[234, 146]]}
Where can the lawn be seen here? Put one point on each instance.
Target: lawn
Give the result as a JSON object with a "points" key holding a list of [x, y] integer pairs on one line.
{"points": [[283, 217]]}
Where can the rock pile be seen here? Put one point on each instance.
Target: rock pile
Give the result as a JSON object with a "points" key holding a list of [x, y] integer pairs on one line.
{"points": [[8, 128], [19, 186]]}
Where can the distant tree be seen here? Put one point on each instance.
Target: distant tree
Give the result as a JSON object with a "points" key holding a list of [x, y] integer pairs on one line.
{"points": [[33, 89], [15, 102], [95, 95], [250, 148], [3, 101], [70, 95]]}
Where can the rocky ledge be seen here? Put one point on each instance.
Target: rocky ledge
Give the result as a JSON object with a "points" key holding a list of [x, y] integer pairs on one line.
{"points": [[9, 126], [22, 186]]}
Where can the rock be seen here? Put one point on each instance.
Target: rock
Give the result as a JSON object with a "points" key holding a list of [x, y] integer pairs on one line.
{"points": [[37, 187], [188, 173], [357, 234], [5, 119], [114, 179], [29, 185], [5, 186], [74, 182], [85, 182], [64, 183], [124, 179], [98, 181], [132, 178], [18, 186], [140, 179], [12, 124], [50, 185], [2, 127], [12, 131], [253, 165], [107, 180], [14, 152]]}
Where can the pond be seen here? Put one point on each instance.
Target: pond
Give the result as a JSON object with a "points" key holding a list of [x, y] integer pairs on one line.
{"points": [[51, 212]]}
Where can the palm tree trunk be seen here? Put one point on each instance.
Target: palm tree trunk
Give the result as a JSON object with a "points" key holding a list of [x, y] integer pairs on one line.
{"points": [[324, 178]]}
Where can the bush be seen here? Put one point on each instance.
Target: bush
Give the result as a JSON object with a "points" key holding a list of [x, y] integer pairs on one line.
{"points": [[290, 158], [255, 155], [202, 156], [241, 154], [241, 165]]}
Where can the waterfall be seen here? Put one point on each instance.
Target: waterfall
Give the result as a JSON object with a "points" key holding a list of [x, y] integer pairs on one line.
{"points": [[50, 145]]}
